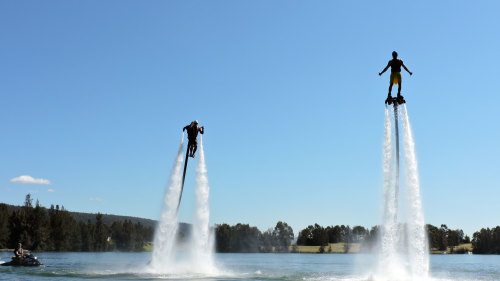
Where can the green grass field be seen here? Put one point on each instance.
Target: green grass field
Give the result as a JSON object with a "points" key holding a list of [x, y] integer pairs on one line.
{"points": [[148, 247], [460, 249], [336, 248]]}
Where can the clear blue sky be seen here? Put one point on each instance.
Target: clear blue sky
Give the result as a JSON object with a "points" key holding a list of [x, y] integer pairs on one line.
{"points": [[94, 94]]}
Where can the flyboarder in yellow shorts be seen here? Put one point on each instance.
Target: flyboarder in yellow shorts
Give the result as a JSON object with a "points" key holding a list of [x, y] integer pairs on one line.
{"points": [[395, 78]]}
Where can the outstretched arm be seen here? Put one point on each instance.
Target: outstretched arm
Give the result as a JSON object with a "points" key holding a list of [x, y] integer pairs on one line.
{"points": [[404, 66], [388, 64], [185, 128]]}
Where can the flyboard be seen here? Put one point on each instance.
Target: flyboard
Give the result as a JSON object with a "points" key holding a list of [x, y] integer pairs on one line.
{"points": [[396, 102]]}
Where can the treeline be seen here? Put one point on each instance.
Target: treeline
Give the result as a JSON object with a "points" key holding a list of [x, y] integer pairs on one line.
{"points": [[486, 241], [56, 229], [316, 235], [242, 238], [441, 238]]}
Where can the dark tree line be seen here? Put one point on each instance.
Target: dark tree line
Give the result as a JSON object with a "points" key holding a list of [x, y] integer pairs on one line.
{"points": [[242, 238], [56, 229], [317, 235], [486, 241], [443, 237]]}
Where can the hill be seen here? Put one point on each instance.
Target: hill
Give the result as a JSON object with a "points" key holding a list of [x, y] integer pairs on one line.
{"points": [[110, 218]]}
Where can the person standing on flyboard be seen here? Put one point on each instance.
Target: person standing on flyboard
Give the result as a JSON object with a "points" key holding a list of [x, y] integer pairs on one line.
{"points": [[395, 78]]}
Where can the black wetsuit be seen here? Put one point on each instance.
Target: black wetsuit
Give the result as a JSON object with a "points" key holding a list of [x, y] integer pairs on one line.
{"points": [[192, 132], [396, 65]]}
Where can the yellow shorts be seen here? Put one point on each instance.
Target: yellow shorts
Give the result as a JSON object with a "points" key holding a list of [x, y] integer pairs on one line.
{"points": [[395, 78]]}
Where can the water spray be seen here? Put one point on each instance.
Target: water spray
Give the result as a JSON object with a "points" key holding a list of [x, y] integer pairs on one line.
{"points": [[400, 259], [396, 131]]}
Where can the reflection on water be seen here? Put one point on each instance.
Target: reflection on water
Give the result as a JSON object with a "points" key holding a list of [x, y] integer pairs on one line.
{"points": [[304, 267]]}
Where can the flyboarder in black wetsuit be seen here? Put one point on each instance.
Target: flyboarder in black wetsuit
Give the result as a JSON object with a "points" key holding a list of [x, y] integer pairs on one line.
{"points": [[192, 131], [395, 78]]}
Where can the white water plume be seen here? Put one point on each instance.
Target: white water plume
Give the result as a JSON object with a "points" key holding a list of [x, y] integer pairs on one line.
{"points": [[193, 259], [403, 250], [202, 238], [388, 260], [166, 229], [417, 238]]}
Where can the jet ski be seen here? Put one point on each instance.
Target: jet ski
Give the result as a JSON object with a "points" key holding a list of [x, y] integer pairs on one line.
{"points": [[27, 260]]}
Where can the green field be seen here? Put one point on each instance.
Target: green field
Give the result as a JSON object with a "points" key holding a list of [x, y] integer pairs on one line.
{"points": [[339, 248], [336, 248], [460, 249]]}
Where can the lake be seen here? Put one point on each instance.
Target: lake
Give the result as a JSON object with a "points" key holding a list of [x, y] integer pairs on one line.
{"points": [[304, 267]]}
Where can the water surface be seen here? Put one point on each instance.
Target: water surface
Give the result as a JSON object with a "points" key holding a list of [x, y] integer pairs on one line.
{"points": [[304, 267]]}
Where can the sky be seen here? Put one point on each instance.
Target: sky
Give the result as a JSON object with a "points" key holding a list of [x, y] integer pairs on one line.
{"points": [[94, 95]]}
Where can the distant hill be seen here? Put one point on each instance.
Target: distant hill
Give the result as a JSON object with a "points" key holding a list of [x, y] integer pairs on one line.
{"points": [[109, 219]]}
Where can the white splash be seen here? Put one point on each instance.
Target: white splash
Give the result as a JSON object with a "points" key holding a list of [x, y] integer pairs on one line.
{"points": [[194, 259], [403, 253], [417, 237], [389, 261], [166, 229], [202, 238]]}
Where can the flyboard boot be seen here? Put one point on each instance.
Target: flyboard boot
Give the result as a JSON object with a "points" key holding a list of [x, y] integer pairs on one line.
{"points": [[388, 100], [400, 99]]}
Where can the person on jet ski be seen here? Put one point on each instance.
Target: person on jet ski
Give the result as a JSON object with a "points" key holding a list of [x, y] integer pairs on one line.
{"points": [[192, 131], [19, 252], [395, 78]]}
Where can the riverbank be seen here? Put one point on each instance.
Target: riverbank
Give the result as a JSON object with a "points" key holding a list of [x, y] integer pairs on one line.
{"points": [[354, 248], [331, 248], [336, 248]]}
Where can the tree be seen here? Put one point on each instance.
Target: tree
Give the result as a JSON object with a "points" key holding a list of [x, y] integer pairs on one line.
{"points": [[100, 234], [223, 238], [437, 237], [313, 236], [282, 237], [19, 225], [467, 239], [28, 202], [39, 227], [63, 229], [245, 239], [359, 233], [240, 238], [334, 234], [87, 235], [486, 241], [320, 237], [4, 226], [305, 237], [266, 241]]}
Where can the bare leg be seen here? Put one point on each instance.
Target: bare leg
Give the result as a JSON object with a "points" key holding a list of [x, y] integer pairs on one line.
{"points": [[195, 147], [399, 88], [390, 88]]}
